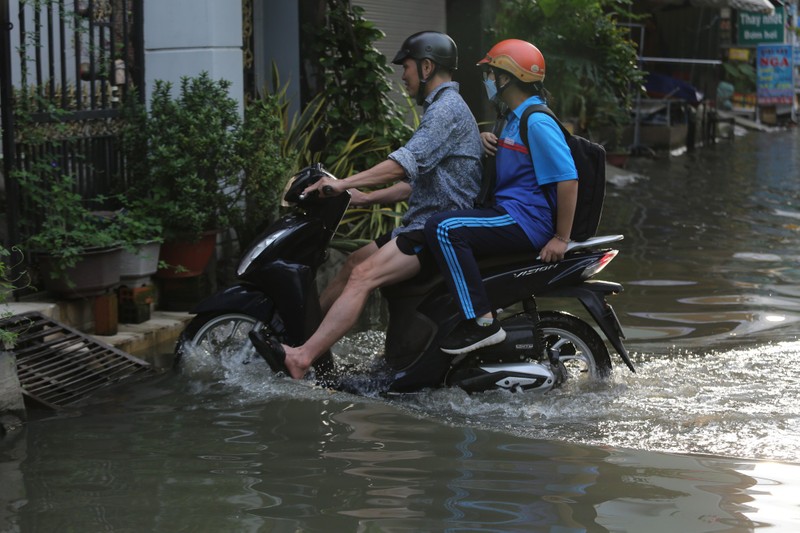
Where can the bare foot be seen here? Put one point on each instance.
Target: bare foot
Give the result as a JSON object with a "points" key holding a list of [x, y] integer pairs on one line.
{"points": [[295, 362]]}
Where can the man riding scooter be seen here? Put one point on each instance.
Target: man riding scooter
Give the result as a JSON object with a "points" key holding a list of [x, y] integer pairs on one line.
{"points": [[438, 169]]}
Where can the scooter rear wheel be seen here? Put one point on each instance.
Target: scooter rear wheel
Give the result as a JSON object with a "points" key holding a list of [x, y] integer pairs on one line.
{"points": [[218, 336], [578, 346]]}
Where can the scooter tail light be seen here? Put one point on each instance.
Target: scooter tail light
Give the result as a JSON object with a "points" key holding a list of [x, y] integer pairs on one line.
{"points": [[600, 264]]}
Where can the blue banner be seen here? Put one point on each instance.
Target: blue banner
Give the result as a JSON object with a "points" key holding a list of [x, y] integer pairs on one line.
{"points": [[775, 74]]}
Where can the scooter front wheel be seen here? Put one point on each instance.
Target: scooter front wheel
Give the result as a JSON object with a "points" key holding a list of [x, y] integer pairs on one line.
{"points": [[576, 344], [217, 337]]}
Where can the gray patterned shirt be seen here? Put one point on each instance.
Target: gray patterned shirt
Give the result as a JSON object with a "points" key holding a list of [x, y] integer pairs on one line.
{"points": [[442, 160]]}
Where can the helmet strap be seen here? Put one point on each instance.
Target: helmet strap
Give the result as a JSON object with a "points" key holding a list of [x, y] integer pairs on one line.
{"points": [[423, 82], [500, 88]]}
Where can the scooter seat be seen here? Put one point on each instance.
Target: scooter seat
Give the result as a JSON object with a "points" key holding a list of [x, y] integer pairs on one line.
{"points": [[428, 278]]}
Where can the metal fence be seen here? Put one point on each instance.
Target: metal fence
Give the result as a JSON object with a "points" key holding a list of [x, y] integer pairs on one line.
{"points": [[67, 66]]}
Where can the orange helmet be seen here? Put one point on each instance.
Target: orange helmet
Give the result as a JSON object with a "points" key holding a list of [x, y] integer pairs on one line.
{"points": [[520, 58]]}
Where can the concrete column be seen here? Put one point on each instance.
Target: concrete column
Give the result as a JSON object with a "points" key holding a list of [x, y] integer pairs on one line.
{"points": [[12, 406], [186, 37]]}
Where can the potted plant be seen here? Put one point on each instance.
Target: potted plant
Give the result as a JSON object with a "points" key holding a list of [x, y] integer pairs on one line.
{"points": [[140, 234], [193, 169], [77, 250]]}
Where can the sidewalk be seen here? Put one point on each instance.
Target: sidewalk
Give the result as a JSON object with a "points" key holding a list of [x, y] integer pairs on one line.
{"points": [[152, 340]]}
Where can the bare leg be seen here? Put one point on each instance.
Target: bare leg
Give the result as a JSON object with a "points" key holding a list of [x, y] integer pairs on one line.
{"points": [[386, 266], [335, 287]]}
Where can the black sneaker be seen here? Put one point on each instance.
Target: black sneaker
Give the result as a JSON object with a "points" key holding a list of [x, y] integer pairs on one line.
{"points": [[469, 336]]}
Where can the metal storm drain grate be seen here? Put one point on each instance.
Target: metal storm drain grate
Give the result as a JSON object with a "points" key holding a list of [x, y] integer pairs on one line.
{"points": [[59, 366]]}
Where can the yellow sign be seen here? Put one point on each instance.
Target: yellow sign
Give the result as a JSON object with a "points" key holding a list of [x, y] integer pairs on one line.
{"points": [[739, 54]]}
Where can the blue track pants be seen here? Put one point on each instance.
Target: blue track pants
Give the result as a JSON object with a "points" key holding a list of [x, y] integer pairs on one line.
{"points": [[457, 238]]}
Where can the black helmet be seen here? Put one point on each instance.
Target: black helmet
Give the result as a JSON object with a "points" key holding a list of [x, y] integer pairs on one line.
{"points": [[432, 45]]}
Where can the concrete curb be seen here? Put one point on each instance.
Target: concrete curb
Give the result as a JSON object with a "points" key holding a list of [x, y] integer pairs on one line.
{"points": [[152, 340]]}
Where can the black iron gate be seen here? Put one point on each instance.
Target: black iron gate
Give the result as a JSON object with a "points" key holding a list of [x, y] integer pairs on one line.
{"points": [[67, 66]]}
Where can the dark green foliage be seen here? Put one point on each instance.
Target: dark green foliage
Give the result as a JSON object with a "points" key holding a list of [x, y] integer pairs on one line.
{"points": [[741, 75], [591, 62], [193, 158], [266, 167], [11, 279], [356, 85]]}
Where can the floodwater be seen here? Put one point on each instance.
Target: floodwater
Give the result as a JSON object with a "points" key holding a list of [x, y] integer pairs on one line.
{"points": [[704, 437]]}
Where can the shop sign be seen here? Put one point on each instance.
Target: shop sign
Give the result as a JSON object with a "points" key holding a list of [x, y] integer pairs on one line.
{"points": [[775, 74], [744, 101], [739, 54], [757, 28]]}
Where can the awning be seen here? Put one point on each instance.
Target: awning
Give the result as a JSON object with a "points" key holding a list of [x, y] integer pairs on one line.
{"points": [[754, 6]]}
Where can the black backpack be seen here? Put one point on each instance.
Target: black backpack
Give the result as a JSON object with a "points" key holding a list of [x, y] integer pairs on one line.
{"points": [[590, 162]]}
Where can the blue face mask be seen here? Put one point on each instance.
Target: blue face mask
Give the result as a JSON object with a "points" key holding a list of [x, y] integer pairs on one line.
{"points": [[491, 89]]}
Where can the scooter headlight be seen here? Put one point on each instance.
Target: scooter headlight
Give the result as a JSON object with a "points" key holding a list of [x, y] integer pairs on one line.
{"points": [[257, 250], [600, 264]]}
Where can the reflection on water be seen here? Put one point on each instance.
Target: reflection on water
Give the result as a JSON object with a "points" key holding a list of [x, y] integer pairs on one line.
{"points": [[703, 437], [713, 228], [234, 463]]}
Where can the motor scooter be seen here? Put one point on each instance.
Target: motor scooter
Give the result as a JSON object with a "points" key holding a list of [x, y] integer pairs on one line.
{"points": [[276, 295]]}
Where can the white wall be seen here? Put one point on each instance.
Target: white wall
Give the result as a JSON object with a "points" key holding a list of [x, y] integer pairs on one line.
{"points": [[186, 37]]}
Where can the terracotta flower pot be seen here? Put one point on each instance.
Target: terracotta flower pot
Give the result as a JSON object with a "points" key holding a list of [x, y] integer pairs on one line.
{"points": [[186, 259], [618, 159]]}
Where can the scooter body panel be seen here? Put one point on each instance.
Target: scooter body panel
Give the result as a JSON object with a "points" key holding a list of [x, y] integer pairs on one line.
{"points": [[239, 298], [425, 307]]}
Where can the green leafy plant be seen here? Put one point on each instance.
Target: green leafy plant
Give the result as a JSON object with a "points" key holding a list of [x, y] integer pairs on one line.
{"points": [[741, 75], [363, 224], [362, 122], [267, 163], [591, 62], [134, 225], [192, 171], [9, 282], [56, 219], [69, 225], [138, 219]]}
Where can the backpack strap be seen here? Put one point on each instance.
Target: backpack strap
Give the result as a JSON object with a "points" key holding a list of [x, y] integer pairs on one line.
{"points": [[538, 108], [523, 133], [485, 197]]}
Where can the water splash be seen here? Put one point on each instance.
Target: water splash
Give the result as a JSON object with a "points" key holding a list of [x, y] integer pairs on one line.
{"points": [[739, 403]]}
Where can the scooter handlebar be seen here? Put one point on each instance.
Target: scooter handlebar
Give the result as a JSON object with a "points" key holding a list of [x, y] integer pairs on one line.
{"points": [[305, 178], [327, 190]]}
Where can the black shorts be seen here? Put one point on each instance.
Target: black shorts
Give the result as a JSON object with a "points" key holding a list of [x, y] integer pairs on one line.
{"points": [[410, 243]]}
